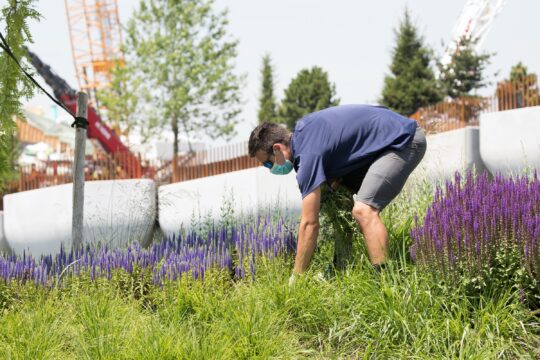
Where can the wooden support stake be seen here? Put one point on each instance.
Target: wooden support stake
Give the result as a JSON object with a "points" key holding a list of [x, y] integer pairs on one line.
{"points": [[78, 172]]}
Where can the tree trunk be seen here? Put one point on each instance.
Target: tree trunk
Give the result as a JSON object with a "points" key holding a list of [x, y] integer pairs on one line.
{"points": [[175, 133], [175, 175]]}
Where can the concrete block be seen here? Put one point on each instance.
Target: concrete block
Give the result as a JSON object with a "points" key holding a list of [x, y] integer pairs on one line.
{"points": [[116, 212], [444, 155], [473, 160], [248, 191], [4, 247], [510, 140]]}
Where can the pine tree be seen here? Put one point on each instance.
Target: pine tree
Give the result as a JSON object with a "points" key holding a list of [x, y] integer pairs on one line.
{"points": [[519, 72], [267, 101], [465, 72], [309, 91], [14, 86], [412, 83], [519, 89]]}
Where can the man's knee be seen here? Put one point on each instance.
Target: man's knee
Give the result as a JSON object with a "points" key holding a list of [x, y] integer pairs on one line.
{"points": [[364, 213]]}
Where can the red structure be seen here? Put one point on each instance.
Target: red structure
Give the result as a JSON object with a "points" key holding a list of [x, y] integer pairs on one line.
{"points": [[97, 129]]}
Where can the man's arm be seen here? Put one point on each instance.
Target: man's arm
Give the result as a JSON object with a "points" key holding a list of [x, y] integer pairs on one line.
{"points": [[308, 231]]}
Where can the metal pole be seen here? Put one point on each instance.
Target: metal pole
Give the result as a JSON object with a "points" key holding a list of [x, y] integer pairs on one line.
{"points": [[78, 170]]}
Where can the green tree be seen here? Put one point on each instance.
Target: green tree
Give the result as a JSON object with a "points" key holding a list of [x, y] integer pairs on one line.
{"points": [[183, 58], [519, 89], [309, 91], [519, 72], [121, 99], [466, 70], [267, 101], [14, 86], [412, 83]]}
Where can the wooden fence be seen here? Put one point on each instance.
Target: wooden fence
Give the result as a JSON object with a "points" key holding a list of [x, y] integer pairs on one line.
{"points": [[440, 117], [196, 171], [99, 167], [187, 166], [460, 112]]}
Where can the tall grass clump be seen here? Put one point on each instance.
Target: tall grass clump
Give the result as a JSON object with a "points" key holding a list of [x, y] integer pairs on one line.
{"points": [[338, 225], [484, 233]]}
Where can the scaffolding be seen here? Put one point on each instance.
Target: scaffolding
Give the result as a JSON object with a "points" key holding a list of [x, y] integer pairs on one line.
{"points": [[96, 37]]}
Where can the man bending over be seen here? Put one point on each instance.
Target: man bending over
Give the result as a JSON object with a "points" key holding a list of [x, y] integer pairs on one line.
{"points": [[368, 148]]}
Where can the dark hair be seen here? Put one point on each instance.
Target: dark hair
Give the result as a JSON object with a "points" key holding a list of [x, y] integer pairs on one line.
{"points": [[264, 136]]}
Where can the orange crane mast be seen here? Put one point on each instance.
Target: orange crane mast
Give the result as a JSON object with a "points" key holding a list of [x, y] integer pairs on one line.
{"points": [[96, 37]]}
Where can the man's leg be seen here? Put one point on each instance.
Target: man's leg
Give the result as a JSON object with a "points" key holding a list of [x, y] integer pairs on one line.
{"points": [[383, 181], [374, 231]]}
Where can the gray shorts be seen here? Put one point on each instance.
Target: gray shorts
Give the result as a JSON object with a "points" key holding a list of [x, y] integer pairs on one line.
{"points": [[386, 176]]}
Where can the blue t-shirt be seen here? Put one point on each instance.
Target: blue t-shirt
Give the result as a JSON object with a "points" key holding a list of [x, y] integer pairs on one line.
{"points": [[336, 141]]}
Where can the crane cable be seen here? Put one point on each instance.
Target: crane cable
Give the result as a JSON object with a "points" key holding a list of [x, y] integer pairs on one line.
{"points": [[80, 122]]}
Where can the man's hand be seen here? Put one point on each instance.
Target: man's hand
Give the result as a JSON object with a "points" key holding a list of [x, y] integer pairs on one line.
{"points": [[292, 279], [334, 183]]}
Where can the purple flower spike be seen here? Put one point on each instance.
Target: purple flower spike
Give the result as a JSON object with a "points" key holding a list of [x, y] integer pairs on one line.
{"points": [[470, 221]]}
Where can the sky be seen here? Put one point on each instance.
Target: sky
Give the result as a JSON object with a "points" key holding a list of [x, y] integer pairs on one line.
{"points": [[351, 40]]}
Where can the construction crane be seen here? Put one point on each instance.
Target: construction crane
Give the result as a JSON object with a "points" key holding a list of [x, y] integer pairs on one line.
{"points": [[98, 130], [475, 21], [96, 37]]}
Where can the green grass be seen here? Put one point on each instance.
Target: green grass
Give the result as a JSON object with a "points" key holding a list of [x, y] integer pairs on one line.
{"points": [[358, 314]]}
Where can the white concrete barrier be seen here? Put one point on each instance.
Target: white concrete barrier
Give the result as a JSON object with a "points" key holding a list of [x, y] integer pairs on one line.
{"points": [[247, 190], [4, 247], [256, 188], [115, 212], [448, 152], [120, 211], [510, 140]]}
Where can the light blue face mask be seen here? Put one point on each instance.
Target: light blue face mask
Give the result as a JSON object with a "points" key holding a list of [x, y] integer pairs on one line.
{"points": [[282, 169]]}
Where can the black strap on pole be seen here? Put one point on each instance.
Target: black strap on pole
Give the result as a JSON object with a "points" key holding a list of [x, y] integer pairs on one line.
{"points": [[4, 45], [80, 123]]}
